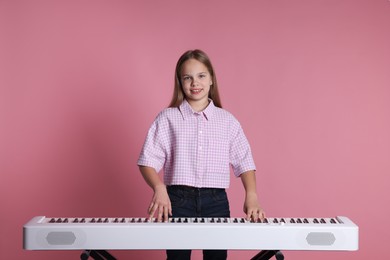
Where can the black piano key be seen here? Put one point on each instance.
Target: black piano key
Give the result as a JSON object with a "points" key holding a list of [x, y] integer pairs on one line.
{"points": [[82, 220], [305, 220], [225, 220], [282, 220], [59, 220], [292, 221], [76, 220], [316, 221], [66, 220], [322, 221], [299, 220], [186, 220], [93, 220], [276, 220], [202, 220], [52, 220], [99, 220], [333, 221], [265, 220]]}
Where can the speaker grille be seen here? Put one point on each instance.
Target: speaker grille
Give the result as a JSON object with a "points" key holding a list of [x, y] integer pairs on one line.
{"points": [[61, 238], [320, 238]]}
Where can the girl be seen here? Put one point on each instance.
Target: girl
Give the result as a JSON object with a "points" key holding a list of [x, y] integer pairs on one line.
{"points": [[196, 141]]}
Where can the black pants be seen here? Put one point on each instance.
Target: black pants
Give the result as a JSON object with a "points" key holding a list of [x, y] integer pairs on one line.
{"points": [[198, 202]]}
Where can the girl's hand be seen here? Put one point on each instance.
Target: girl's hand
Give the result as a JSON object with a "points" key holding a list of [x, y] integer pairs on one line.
{"points": [[160, 204], [252, 208]]}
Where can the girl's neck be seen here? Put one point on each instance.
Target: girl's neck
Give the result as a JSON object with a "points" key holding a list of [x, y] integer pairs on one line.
{"points": [[198, 105]]}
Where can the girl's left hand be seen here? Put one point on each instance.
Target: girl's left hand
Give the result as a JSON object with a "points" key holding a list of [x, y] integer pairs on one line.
{"points": [[252, 208]]}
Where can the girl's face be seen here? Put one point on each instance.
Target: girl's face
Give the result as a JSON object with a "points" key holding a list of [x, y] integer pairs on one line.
{"points": [[196, 81]]}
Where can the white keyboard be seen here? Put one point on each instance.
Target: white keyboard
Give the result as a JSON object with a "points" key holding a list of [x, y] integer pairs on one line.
{"points": [[42, 233]]}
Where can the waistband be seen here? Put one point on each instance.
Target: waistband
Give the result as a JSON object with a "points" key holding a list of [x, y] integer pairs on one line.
{"points": [[193, 189]]}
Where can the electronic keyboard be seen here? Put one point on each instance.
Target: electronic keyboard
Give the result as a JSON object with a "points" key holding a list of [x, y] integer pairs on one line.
{"points": [[338, 233]]}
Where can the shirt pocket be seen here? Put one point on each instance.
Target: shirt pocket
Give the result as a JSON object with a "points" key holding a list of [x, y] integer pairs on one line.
{"points": [[218, 156]]}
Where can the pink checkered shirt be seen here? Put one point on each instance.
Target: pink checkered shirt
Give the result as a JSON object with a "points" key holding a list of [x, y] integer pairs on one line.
{"points": [[197, 148]]}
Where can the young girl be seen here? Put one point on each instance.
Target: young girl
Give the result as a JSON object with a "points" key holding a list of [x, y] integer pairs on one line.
{"points": [[195, 141]]}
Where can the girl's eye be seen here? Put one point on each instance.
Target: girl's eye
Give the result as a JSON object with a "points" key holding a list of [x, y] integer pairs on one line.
{"points": [[186, 78]]}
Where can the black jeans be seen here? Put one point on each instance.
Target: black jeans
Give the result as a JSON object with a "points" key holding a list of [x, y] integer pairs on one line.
{"points": [[198, 202]]}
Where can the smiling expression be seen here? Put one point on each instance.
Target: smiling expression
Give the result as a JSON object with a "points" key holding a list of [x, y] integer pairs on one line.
{"points": [[196, 81]]}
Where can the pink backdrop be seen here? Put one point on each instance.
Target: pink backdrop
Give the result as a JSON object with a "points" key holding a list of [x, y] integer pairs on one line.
{"points": [[82, 81]]}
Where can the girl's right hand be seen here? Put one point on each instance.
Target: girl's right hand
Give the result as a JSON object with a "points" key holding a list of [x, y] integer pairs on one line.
{"points": [[160, 204]]}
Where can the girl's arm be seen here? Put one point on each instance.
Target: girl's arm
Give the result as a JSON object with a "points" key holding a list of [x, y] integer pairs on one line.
{"points": [[160, 202], [252, 207]]}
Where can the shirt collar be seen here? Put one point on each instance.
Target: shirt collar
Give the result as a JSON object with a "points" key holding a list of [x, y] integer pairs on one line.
{"points": [[187, 111]]}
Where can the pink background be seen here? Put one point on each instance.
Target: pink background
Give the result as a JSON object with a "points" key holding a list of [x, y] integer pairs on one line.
{"points": [[82, 81]]}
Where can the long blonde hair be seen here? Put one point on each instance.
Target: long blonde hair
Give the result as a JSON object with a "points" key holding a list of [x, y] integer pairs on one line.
{"points": [[178, 94]]}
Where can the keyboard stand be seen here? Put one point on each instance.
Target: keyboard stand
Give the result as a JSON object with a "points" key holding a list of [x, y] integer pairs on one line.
{"points": [[104, 255], [97, 255], [267, 254]]}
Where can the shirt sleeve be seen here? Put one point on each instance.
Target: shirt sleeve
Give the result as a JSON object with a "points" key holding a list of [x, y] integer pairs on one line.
{"points": [[153, 151], [241, 158]]}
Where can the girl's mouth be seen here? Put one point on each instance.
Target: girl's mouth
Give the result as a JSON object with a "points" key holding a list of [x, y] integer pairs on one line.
{"points": [[195, 91]]}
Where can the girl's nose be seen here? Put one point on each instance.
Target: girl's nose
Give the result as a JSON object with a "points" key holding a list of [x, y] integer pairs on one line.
{"points": [[194, 82]]}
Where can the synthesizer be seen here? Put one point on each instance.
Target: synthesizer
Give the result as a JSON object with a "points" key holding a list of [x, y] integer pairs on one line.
{"points": [[58, 233]]}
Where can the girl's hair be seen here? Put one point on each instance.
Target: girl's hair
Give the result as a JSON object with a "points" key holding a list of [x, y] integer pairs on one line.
{"points": [[178, 94]]}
